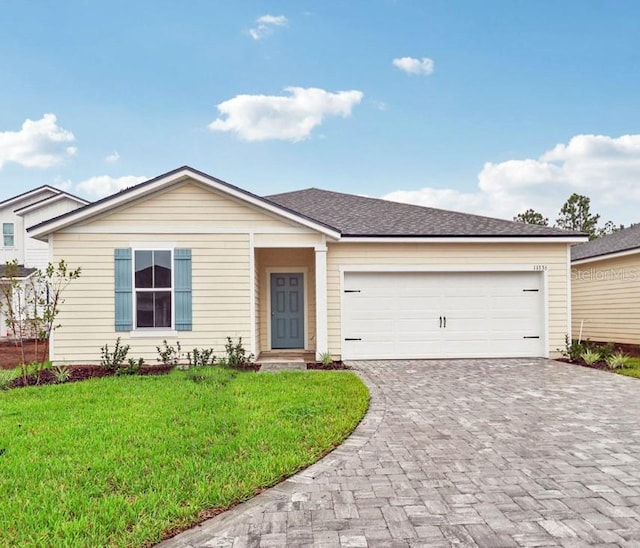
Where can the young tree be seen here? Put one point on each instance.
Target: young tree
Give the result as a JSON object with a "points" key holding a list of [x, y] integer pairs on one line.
{"points": [[576, 214], [31, 307], [532, 217]]}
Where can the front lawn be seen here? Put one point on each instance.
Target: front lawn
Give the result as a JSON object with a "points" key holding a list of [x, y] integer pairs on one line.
{"points": [[120, 461]]}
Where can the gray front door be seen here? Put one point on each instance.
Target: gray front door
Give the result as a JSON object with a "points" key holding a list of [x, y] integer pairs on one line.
{"points": [[287, 311]]}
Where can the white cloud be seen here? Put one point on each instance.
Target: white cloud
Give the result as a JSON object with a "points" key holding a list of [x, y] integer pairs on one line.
{"points": [[103, 185], [607, 169], [411, 65], [39, 143], [265, 25], [288, 118], [112, 158]]}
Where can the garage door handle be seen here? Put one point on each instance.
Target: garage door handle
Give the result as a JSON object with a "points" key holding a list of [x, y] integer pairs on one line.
{"points": [[445, 321], [350, 339], [440, 321], [535, 337]]}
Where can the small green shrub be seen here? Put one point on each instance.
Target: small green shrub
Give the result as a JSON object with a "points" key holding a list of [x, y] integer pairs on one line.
{"points": [[132, 368], [7, 376], [169, 354], [573, 349], [201, 357], [590, 357], [113, 361], [618, 360], [236, 353], [606, 350], [61, 373], [326, 358]]}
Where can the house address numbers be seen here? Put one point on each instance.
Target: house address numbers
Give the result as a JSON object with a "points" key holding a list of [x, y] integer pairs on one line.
{"points": [[540, 267]]}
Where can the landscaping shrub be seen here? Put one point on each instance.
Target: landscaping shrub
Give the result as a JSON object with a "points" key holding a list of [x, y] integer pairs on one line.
{"points": [[590, 357], [169, 354], [113, 361], [618, 360]]}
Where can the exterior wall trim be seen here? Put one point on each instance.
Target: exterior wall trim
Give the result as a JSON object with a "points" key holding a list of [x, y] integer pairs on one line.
{"points": [[164, 181], [465, 239], [606, 257]]}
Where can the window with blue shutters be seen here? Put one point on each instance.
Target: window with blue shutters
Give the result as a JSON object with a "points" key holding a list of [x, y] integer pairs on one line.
{"points": [[153, 289]]}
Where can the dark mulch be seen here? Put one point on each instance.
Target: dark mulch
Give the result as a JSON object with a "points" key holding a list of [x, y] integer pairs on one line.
{"points": [[329, 367], [597, 365], [84, 372]]}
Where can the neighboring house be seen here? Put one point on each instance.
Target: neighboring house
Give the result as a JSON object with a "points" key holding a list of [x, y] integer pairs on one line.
{"points": [[16, 215], [188, 257], [606, 288]]}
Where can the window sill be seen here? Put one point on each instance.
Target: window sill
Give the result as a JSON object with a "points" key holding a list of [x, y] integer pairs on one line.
{"points": [[152, 333]]}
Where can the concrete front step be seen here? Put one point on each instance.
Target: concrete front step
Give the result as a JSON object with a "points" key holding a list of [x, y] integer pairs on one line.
{"points": [[297, 365]]}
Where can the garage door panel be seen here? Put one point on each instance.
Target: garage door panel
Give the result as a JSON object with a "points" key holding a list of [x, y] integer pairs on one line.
{"points": [[488, 314]]}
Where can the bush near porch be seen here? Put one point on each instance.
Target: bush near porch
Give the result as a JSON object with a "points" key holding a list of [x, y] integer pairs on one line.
{"points": [[124, 461]]}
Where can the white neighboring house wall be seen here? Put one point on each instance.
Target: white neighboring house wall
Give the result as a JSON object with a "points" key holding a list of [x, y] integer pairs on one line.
{"points": [[23, 211]]}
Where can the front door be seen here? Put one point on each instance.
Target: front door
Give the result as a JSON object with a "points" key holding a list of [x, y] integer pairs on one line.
{"points": [[287, 311]]}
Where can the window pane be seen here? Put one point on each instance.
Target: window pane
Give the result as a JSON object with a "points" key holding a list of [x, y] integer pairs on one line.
{"points": [[144, 271], [7, 235], [144, 309], [163, 308], [162, 268]]}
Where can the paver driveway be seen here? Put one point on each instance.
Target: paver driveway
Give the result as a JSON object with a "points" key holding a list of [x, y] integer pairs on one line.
{"points": [[463, 452]]}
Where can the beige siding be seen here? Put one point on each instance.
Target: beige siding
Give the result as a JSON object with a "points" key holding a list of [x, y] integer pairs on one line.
{"points": [[293, 258], [606, 300], [217, 230], [553, 256], [190, 205], [221, 301]]}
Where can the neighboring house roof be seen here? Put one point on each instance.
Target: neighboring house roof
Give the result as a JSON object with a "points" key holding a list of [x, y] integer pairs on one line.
{"points": [[362, 216], [28, 193], [332, 213], [21, 274], [626, 239], [50, 199]]}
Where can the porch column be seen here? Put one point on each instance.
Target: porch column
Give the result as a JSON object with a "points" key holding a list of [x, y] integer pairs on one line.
{"points": [[322, 342]]}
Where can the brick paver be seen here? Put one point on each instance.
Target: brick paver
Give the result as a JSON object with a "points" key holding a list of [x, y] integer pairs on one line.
{"points": [[463, 452]]}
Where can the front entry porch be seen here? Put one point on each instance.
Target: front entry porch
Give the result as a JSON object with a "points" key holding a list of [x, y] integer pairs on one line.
{"points": [[290, 303]]}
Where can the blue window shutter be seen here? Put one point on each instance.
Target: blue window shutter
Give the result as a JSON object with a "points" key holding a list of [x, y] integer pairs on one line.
{"points": [[124, 291], [182, 278]]}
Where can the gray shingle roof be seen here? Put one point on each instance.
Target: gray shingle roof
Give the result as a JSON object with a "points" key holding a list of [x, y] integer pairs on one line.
{"points": [[22, 271], [623, 240], [362, 216]]}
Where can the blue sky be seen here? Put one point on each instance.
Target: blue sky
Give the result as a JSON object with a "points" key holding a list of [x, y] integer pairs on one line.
{"points": [[489, 107]]}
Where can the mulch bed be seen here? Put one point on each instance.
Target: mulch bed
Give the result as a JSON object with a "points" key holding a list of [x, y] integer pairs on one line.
{"points": [[329, 367], [597, 365], [84, 372]]}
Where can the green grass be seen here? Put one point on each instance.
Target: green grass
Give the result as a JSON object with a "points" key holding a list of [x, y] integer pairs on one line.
{"points": [[119, 461], [633, 370]]}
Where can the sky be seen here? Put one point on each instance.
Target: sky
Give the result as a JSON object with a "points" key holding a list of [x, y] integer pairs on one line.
{"points": [[488, 107]]}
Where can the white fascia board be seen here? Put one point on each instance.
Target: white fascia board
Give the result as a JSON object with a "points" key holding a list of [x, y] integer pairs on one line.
{"points": [[144, 189], [28, 194], [466, 239], [48, 201], [606, 257]]}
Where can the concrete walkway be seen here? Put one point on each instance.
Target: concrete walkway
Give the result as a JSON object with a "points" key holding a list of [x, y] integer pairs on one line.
{"points": [[463, 452]]}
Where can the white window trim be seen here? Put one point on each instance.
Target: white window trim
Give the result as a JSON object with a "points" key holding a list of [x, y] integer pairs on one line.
{"points": [[13, 235], [153, 331]]}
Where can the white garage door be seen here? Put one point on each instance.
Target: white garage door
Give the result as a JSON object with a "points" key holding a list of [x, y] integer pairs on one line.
{"points": [[442, 315]]}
